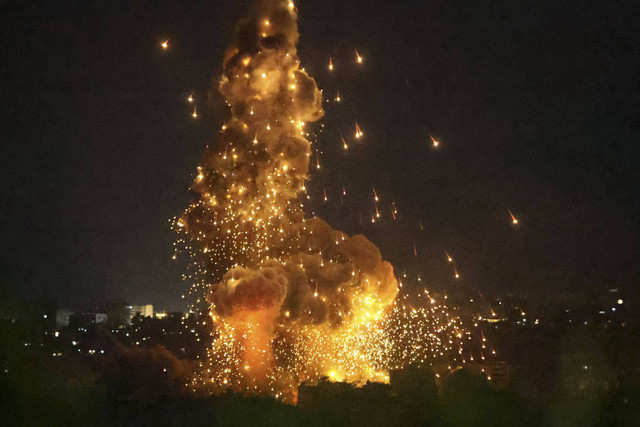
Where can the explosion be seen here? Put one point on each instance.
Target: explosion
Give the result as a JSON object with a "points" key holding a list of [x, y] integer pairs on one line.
{"points": [[292, 299]]}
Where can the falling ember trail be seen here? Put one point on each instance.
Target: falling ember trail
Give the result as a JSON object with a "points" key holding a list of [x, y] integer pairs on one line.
{"points": [[514, 220], [292, 300], [435, 142], [358, 133]]}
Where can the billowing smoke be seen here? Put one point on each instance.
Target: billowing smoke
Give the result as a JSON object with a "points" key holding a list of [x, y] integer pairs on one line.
{"points": [[273, 277]]}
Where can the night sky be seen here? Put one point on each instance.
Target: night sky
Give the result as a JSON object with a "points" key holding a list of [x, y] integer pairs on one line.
{"points": [[536, 105]]}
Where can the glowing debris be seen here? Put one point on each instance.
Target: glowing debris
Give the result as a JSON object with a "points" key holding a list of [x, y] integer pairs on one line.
{"points": [[291, 300], [514, 220], [434, 142]]}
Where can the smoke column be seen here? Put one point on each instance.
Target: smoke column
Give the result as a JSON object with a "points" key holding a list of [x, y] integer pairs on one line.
{"points": [[291, 299], [279, 285]]}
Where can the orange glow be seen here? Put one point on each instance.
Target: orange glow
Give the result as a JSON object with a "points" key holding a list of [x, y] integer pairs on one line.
{"points": [[514, 220], [359, 132], [435, 142]]}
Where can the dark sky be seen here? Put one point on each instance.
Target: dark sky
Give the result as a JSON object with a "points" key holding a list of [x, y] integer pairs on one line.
{"points": [[536, 105]]}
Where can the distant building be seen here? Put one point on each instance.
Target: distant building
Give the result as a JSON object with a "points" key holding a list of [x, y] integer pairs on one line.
{"points": [[118, 314], [62, 317], [140, 310], [84, 320], [499, 373], [100, 317]]}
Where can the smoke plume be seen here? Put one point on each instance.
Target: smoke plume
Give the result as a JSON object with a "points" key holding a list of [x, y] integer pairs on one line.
{"points": [[282, 288]]}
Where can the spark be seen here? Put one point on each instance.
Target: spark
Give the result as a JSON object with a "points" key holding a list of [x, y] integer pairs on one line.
{"points": [[330, 64], [190, 98], [514, 220], [434, 141], [195, 113], [344, 143], [359, 59], [359, 132], [165, 44]]}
